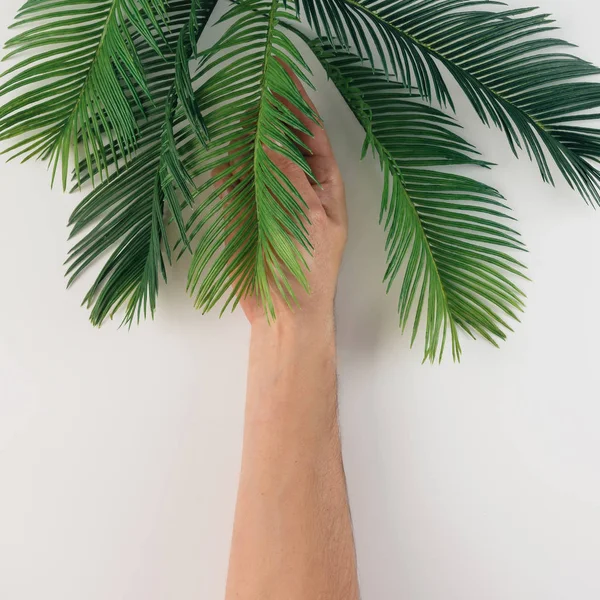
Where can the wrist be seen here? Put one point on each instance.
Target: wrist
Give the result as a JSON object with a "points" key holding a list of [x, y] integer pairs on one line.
{"points": [[292, 366], [292, 330]]}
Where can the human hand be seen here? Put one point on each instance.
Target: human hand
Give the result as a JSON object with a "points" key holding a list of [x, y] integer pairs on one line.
{"points": [[327, 227]]}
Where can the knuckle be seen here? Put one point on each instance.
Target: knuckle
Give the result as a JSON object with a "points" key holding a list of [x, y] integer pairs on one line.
{"points": [[318, 217]]}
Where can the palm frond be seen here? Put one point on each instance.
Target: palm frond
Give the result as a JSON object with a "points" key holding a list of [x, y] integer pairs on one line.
{"points": [[127, 210], [130, 206], [447, 234], [513, 74], [186, 49], [116, 90], [253, 228], [80, 55], [348, 24]]}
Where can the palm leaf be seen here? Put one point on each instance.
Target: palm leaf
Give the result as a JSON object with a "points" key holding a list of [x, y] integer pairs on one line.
{"points": [[252, 228], [106, 86], [186, 49], [446, 233], [350, 25], [126, 212], [515, 77], [88, 79]]}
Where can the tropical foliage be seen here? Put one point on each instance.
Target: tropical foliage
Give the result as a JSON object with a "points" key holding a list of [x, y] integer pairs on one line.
{"points": [[116, 95]]}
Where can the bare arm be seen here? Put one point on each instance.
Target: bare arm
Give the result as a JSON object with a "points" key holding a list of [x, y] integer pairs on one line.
{"points": [[293, 535]]}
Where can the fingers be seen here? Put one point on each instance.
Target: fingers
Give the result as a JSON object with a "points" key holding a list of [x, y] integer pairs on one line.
{"points": [[318, 140], [321, 159], [297, 178], [225, 182]]}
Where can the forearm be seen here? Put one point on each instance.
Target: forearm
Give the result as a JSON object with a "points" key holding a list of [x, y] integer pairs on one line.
{"points": [[293, 535]]}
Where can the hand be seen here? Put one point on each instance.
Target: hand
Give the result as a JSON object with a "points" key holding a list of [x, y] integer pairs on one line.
{"points": [[328, 228]]}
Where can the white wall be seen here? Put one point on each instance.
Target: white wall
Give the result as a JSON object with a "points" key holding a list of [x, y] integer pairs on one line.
{"points": [[119, 452]]}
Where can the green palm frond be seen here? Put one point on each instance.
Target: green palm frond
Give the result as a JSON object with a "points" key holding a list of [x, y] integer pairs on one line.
{"points": [[88, 80], [258, 217], [186, 49], [446, 233], [116, 91], [349, 24], [130, 206], [514, 77], [128, 209]]}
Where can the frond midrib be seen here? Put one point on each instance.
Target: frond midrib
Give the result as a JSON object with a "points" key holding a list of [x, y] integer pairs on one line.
{"points": [[259, 120]]}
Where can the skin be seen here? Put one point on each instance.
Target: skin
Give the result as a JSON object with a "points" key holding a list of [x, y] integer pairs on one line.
{"points": [[292, 536]]}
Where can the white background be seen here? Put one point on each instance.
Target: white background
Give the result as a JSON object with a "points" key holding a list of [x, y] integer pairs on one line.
{"points": [[119, 451]]}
